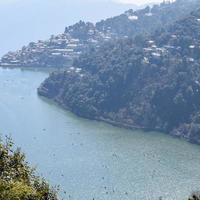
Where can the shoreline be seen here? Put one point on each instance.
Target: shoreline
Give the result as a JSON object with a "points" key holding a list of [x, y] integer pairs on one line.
{"points": [[113, 123], [100, 118], [37, 68]]}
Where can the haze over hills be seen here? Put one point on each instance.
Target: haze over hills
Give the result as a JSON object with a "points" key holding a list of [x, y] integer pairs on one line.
{"points": [[149, 82], [60, 50], [25, 21]]}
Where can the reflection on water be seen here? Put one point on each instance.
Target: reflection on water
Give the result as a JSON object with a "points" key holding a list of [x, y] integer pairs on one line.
{"points": [[90, 159]]}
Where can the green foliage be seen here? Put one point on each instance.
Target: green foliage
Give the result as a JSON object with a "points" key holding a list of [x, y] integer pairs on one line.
{"points": [[17, 180], [149, 20], [195, 196]]}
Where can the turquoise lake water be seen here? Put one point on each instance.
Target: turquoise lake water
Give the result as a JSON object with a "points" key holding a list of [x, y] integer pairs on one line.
{"points": [[90, 159]]}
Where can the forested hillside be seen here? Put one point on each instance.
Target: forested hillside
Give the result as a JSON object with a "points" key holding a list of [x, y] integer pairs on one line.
{"points": [[147, 82], [149, 19], [60, 50]]}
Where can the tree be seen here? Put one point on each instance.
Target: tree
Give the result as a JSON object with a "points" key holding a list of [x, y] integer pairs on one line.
{"points": [[195, 196], [18, 180]]}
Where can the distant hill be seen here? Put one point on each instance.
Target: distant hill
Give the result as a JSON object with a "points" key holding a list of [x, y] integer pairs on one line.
{"points": [[23, 21], [60, 50], [150, 82]]}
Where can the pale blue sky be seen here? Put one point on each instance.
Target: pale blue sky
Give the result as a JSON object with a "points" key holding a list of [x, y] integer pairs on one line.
{"points": [[23, 21], [139, 2]]}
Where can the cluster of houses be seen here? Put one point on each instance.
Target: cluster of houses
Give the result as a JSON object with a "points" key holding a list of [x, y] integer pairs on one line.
{"points": [[60, 49], [57, 46], [65, 47], [152, 52], [134, 16]]}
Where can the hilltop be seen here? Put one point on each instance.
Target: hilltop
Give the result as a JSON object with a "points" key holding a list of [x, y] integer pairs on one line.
{"points": [[62, 49]]}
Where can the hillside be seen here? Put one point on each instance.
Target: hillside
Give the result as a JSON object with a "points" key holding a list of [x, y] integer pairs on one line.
{"points": [[62, 49], [146, 82]]}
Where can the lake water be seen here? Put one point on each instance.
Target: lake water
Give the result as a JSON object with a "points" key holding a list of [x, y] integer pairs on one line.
{"points": [[92, 159]]}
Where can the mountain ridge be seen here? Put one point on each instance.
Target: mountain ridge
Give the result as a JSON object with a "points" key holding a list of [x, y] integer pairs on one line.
{"points": [[62, 49]]}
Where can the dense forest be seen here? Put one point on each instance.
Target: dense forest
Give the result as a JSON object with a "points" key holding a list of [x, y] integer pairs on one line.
{"points": [[150, 82], [17, 179], [131, 23], [149, 19]]}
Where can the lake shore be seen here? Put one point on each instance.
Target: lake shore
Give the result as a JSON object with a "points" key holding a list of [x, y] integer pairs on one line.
{"points": [[92, 155], [114, 123]]}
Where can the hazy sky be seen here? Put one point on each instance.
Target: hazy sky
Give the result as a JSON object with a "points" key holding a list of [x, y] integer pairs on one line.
{"points": [[139, 2]]}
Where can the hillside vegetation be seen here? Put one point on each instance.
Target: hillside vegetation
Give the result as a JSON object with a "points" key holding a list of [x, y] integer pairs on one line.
{"points": [[195, 197], [18, 180], [147, 82]]}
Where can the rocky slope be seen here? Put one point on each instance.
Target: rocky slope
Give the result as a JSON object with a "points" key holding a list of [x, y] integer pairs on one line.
{"points": [[148, 82], [61, 50]]}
